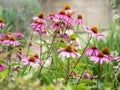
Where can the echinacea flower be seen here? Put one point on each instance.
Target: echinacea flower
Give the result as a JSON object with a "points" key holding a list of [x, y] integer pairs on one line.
{"points": [[106, 51], [87, 75], [39, 24], [94, 32], [79, 19], [92, 51], [19, 35], [2, 67], [11, 41], [51, 16], [32, 60], [67, 9], [99, 58], [2, 24], [69, 51]]}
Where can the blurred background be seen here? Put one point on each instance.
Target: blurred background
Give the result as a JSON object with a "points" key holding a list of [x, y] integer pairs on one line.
{"points": [[18, 13]]}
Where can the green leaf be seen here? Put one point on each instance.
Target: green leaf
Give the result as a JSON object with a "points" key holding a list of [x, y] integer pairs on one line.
{"points": [[3, 62]]}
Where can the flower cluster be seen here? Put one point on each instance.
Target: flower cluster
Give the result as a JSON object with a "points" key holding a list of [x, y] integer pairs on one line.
{"points": [[100, 56], [9, 39]]}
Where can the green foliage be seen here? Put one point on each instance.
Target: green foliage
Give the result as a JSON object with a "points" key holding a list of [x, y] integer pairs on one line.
{"points": [[18, 13]]}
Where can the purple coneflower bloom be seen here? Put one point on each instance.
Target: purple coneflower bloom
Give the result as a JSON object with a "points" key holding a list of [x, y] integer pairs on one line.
{"points": [[51, 16], [99, 58], [94, 31], [92, 51], [2, 67], [67, 9], [39, 24], [69, 51], [32, 60], [19, 35], [11, 41], [2, 24], [79, 19], [87, 75]]}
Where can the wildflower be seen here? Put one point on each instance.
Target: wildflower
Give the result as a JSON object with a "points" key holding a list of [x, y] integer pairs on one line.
{"points": [[87, 75], [94, 31], [79, 19], [67, 52], [67, 9], [2, 24], [32, 60], [2, 67], [11, 41], [19, 35], [99, 58], [106, 51], [51, 16], [39, 24], [65, 36], [92, 51]]}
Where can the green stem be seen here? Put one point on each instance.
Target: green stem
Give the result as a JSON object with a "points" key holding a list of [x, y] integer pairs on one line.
{"points": [[47, 54], [30, 42], [82, 74], [40, 47], [68, 70], [100, 71], [81, 55]]}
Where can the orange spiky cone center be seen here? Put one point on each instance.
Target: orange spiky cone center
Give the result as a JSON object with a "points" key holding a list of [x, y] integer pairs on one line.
{"points": [[69, 14], [51, 14], [69, 48], [12, 38], [106, 51], [1, 20], [8, 33], [67, 6], [36, 55], [94, 47], [62, 12], [41, 15], [94, 29], [100, 54], [31, 59], [79, 16]]}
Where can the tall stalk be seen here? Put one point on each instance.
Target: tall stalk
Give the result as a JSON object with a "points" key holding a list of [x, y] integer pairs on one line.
{"points": [[30, 42], [68, 71], [81, 55]]}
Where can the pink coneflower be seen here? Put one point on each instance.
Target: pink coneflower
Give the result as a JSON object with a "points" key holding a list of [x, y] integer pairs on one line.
{"points": [[56, 25], [94, 31], [32, 60], [2, 24], [65, 36], [79, 19], [39, 23], [11, 41], [69, 51], [99, 58], [2, 67], [51, 16], [92, 51], [67, 9], [18, 35], [87, 75]]}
